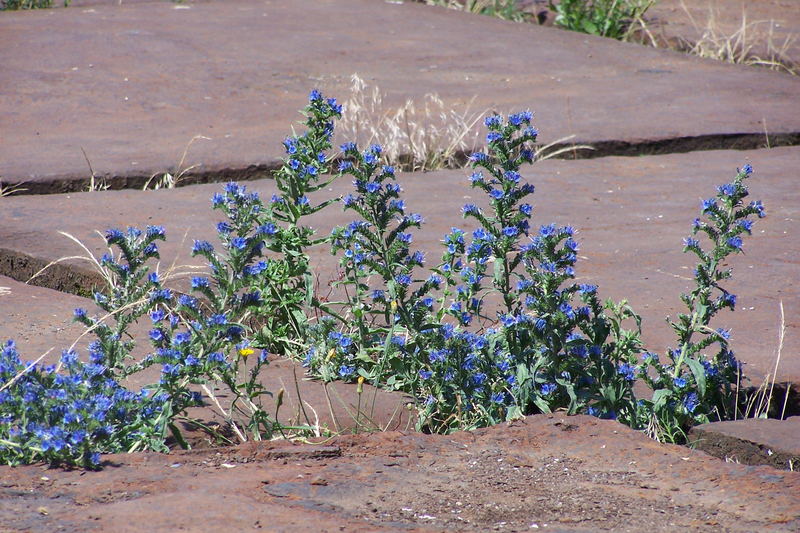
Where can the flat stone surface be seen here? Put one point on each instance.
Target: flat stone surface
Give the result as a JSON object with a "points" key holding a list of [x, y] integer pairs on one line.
{"points": [[631, 215], [132, 84], [545, 472], [752, 441], [40, 322]]}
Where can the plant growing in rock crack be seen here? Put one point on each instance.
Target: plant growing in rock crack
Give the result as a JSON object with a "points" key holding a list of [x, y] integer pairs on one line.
{"points": [[547, 353], [550, 344], [198, 341], [300, 175], [693, 388], [379, 268]]}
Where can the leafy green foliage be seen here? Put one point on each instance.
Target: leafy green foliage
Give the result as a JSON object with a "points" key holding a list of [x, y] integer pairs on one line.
{"points": [[606, 18], [498, 329], [694, 388]]}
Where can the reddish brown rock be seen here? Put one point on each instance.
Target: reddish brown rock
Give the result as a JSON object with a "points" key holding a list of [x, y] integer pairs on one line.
{"points": [[752, 441], [547, 473], [131, 84]]}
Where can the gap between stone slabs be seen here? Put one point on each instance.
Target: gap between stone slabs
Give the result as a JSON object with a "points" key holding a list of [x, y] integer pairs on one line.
{"points": [[132, 84]]}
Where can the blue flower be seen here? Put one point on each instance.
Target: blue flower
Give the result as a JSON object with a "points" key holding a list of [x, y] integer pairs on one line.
{"points": [[690, 402], [518, 118], [510, 231], [649, 357], [314, 96], [584, 288], [526, 209], [216, 357], [470, 209], [181, 338], [199, 282], [729, 189], [290, 146], [508, 320], [493, 121], [187, 301], [735, 242], [493, 136], [530, 132], [348, 147], [202, 247], [345, 371], [425, 374], [268, 229], [155, 231], [679, 382], [218, 319], [336, 108], [628, 371], [114, 236], [746, 224], [478, 157], [709, 204], [689, 242], [548, 388]]}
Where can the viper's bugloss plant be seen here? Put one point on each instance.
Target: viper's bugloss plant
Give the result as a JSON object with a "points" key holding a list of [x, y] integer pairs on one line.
{"points": [[303, 173], [498, 329], [72, 415], [545, 351], [692, 387]]}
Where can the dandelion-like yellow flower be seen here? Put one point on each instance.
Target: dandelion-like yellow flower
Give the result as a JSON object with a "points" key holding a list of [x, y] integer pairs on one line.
{"points": [[244, 352], [331, 353], [394, 306]]}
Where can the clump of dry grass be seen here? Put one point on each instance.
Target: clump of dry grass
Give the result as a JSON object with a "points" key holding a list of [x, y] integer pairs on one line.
{"points": [[11, 189], [751, 43], [423, 136], [757, 403], [167, 180], [417, 136]]}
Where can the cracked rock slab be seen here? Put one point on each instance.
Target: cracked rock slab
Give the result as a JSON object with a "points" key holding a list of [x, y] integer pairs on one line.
{"points": [[131, 84]]}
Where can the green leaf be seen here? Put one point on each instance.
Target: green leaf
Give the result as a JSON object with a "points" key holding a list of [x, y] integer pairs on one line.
{"points": [[699, 375]]}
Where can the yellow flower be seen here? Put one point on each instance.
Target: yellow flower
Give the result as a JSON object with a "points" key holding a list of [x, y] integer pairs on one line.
{"points": [[244, 352], [394, 306], [331, 354]]}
